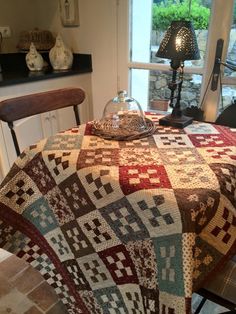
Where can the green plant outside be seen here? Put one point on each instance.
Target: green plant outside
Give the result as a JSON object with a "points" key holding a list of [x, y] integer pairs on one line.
{"points": [[234, 16], [165, 13]]}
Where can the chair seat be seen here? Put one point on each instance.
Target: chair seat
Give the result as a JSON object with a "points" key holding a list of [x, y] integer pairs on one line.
{"points": [[224, 284]]}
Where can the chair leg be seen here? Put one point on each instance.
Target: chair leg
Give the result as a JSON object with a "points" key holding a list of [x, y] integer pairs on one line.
{"points": [[203, 301], [15, 142], [76, 111]]}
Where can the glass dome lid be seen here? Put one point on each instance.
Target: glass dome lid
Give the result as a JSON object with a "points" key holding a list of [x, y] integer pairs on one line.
{"points": [[122, 119], [122, 110]]}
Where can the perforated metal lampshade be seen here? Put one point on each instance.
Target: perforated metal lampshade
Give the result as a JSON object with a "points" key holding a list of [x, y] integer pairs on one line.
{"points": [[179, 42]]}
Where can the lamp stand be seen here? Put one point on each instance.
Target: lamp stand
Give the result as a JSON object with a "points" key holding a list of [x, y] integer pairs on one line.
{"points": [[176, 118], [176, 122]]}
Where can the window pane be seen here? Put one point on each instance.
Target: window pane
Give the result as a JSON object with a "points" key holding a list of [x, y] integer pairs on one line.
{"points": [[231, 55], [141, 21], [148, 86], [150, 19], [140, 86]]}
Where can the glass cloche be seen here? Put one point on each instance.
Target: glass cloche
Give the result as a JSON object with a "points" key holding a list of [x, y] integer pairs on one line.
{"points": [[123, 119]]}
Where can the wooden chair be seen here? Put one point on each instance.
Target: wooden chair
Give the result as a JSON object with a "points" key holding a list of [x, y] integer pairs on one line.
{"points": [[228, 116], [29, 105]]}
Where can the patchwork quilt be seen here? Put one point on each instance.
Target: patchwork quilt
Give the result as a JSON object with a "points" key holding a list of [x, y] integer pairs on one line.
{"points": [[124, 227]]}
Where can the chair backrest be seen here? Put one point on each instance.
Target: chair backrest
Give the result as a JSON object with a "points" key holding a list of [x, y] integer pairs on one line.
{"points": [[16, 108]]}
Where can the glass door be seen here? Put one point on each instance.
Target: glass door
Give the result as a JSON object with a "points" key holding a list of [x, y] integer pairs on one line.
{"points": [[222, 28], [148, 76]]}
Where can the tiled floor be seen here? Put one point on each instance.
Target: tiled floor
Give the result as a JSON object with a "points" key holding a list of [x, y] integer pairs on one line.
{"points": [[23, 290], [32, 295]]}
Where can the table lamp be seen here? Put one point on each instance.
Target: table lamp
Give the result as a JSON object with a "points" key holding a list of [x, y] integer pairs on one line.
{"points": [[179, 44]]}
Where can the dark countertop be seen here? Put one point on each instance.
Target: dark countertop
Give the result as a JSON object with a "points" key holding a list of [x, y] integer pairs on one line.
{"points": [[15, 71]]}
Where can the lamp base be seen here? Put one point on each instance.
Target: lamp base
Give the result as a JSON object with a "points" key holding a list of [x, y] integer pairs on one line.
{"points": [[175, 121]]}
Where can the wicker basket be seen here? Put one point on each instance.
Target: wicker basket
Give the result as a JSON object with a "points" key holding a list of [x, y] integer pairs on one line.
{"points": [[42, 39], [130, 127]]}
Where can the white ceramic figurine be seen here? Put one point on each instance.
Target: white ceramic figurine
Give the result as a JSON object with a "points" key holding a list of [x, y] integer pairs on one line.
{"points": [[34, 60], [60, 56]]}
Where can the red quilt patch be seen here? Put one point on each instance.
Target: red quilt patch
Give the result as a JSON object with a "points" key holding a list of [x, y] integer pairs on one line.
{"points": [[134, 178]]}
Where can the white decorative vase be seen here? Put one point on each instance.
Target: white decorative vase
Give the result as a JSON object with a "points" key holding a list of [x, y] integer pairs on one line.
{"points": [[60, 56], [33, 59]]}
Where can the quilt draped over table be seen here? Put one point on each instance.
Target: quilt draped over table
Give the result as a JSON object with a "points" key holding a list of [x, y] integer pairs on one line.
{"points": [[124, 227]]}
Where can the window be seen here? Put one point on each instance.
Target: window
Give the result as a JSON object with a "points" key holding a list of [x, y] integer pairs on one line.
{"points": [[149, 75]]}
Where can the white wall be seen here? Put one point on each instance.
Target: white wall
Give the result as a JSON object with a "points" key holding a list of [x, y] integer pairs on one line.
{"points": [[98, 37]]}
